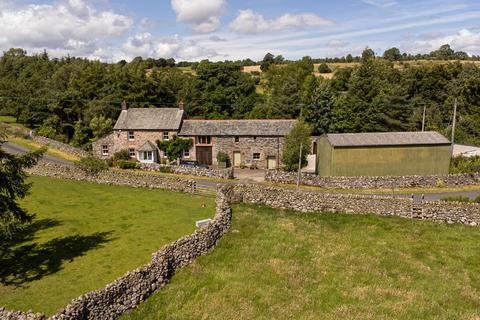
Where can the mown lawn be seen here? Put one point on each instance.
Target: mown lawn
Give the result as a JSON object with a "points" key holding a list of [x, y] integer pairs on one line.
{"points": [[282, 265], [86, 235]]}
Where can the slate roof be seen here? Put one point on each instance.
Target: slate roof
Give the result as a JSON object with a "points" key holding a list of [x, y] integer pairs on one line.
{"points": [[148, 146], [149, 119], [236, 127], [386, 139]]}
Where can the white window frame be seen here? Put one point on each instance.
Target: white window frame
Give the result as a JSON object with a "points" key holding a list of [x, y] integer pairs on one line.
{"points": [[206, 140], [131, 135], [105, 151], [131, 152], [147, 155], [165, 136], [186, 153], [259, 156]]}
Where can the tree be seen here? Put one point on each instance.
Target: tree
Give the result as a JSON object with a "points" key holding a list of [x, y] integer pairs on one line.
{"points": [[14, 187], [101, 126], [392, 54], [318, 101], [300, 135], [323, 68], [267, 61], [174, 147]]}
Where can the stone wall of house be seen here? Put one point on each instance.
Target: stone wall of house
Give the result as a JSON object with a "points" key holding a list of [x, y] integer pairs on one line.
{"points": [[128, 291], [121, 141], [378, 182], [115, 177], [98, 145], [265, 146], [190, 171], [306, 201]]}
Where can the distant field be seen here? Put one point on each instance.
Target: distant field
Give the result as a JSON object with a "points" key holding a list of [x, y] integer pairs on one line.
{"points": [[282, 265], [86, 235]]}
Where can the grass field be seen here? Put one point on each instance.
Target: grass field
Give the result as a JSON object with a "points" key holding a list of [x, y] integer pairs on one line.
{"points": [[282, 265], [85, 236]]}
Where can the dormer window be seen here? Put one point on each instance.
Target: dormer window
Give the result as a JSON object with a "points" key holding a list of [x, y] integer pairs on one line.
{"points": [[131, 136]]}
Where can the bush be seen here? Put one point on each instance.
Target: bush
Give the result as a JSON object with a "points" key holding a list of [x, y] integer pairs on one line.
{"points": [[323, 68], [465, 165], [47, 131], [121, 155], [223, 157], [165, 169], [457, 199], [440, 183], [91, 165], [127, 164]]}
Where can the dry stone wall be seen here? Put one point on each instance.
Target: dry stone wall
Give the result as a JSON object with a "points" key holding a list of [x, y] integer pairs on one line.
{"points": [[374, 182], [128, 291], [115, 177], [60, 146], [191, 171], [305, 201]]}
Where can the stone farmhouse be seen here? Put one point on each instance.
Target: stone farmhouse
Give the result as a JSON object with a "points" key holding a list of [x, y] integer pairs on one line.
{"points": [[248, 143]]}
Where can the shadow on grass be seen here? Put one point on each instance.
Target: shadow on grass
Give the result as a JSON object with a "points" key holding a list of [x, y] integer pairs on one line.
{"points": [[23, 263]]}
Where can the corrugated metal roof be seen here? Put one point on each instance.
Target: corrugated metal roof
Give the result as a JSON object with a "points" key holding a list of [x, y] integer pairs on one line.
{"points": [[149, 119], [386, 139], [236, 127]]}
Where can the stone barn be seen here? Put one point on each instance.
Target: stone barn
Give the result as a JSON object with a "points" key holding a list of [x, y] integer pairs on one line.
{"points": [[383, 154]]}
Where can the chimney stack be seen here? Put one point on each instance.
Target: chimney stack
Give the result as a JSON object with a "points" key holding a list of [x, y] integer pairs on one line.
{"points": [[124, 105], [181, 105]]}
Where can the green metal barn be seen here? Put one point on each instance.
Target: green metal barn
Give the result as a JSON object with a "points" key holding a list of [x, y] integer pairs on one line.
{"points": [[383, 154]]}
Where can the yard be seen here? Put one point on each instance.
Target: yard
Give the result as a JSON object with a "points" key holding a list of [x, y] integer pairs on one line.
{"points": [[282, 265], [86, 235]]}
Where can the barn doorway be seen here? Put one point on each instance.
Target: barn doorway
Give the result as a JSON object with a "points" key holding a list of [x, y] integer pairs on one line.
{"points": [[204, 155]]}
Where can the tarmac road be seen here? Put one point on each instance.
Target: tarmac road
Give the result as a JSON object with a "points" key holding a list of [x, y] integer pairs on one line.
{"points": [[16, 149]]}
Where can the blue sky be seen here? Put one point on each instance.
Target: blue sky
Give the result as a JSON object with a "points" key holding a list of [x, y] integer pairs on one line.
{"points": [[226, 29]]}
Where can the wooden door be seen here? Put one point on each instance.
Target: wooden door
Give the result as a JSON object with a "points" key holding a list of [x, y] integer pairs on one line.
{"points": [[271, 163], [237, 158], [204, 155]]}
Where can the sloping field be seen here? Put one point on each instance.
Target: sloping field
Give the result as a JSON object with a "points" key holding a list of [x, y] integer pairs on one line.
{"points": [[283, 265], [86, 235]]}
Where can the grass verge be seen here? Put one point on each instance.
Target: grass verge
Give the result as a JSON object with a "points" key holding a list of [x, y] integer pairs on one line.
{"points": [[32, 145], [277, 264], [86, 235]]}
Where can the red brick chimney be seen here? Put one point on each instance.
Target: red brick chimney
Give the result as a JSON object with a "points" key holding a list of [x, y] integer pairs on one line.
{"points": [[124, 105], [181, 105]]}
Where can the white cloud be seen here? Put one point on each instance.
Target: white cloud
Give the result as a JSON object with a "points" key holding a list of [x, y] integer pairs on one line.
{"points": [[380, 3], [337, 43], [464, 40], [249, 21], [64, 27], [203, 15], [146, 45]]}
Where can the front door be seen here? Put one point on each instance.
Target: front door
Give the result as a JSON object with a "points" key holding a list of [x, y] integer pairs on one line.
{"points": [[204, 155], [237, 158], [271, 163]]}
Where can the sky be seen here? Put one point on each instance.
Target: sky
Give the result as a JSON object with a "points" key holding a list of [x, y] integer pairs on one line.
{"points": [[193, 30]]}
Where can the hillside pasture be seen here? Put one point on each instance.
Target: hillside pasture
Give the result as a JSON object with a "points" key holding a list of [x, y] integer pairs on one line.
{"points": [[86, 235], [276, 264]]}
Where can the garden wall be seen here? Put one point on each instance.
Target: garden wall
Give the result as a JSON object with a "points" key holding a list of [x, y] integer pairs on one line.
{"points": [[190, 171], [374, 182], [128, 291], [305, 201], [60, 146], [116, 177]]}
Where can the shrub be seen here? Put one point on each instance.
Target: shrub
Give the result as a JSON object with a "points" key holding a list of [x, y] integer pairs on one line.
{"points": [[223, 157], [457, 199], [91, 165], [165, 169], [127, 164], [324, 68], [440, 183], [47, 131], [121, 155], [465, 165]]}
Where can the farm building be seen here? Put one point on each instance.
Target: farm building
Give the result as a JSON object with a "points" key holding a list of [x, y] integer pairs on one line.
{"points": [[383, 154]]}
